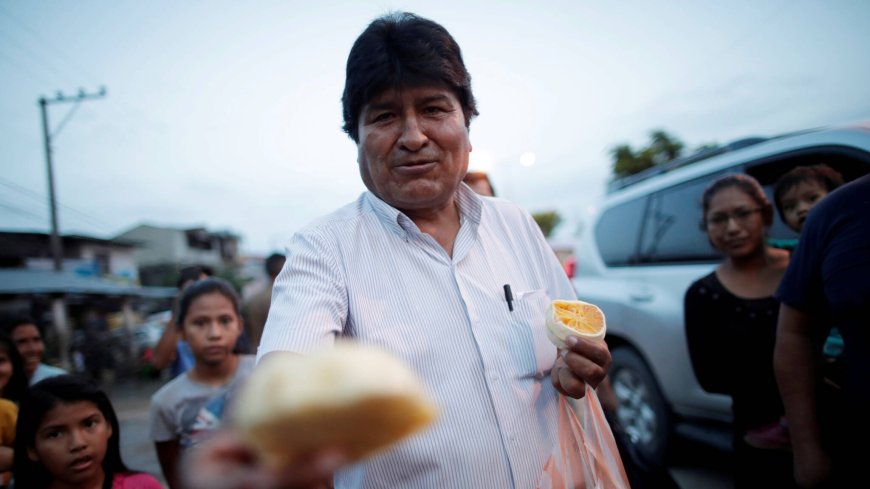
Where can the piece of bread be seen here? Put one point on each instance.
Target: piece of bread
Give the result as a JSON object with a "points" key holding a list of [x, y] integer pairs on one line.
{"points": [[354, 398], [576, 318]]}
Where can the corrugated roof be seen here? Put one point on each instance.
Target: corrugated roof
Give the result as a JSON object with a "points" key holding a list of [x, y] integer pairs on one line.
{"points": [[23, 281]]}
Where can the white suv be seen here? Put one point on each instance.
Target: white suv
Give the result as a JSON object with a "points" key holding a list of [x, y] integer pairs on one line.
{"points": [[643, 249]]}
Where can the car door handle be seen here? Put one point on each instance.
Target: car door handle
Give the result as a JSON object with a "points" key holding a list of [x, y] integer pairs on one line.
{"points": [[642, 296]]}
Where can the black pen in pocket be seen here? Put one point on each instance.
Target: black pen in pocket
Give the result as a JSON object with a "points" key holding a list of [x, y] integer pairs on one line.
{"points": [[509, 297]]}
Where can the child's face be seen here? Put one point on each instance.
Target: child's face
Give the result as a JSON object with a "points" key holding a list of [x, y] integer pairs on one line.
{"points": [[71, 442], [211, 328], [797, 202]]}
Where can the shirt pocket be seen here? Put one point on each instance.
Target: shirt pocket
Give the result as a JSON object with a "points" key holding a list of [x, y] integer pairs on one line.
{"points": [[530, 322]]}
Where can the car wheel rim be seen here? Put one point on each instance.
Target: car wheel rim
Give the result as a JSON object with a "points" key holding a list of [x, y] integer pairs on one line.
{"points": [[635, 411]]}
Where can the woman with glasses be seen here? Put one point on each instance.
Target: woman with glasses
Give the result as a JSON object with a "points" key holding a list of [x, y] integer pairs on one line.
{"points": [[730, 318]]}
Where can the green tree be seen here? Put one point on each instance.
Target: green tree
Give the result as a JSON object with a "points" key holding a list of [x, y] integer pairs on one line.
{"points": [[547, 221], [662, 148], [627, 162]]}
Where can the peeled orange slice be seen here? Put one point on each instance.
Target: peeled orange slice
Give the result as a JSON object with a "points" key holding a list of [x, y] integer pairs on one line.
{"points": [[576, 318], [355, 398]]}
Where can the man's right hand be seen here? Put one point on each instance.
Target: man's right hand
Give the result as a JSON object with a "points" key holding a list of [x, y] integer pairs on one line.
{"points": [[226, 462]]}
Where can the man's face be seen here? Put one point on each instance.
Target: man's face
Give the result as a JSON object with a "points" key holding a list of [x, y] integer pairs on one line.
{"points": [[27, 339], [413, 147]]}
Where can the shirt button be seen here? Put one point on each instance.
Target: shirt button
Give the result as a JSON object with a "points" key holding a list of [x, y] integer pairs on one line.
{"points": [[495, 378]]}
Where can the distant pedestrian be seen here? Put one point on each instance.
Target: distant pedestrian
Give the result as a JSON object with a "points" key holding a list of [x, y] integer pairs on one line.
{"points": [[27, 337], [190, 407], [171, 350], [257, 307], [68, 437]]}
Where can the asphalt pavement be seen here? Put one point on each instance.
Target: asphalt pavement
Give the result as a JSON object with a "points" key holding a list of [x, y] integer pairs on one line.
{"points": [[131, 398]]}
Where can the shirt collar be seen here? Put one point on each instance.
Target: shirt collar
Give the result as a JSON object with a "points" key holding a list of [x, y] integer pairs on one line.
{"points": [[469, 203]]}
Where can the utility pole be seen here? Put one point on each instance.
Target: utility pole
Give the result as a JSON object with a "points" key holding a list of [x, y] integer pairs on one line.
{"points": [[58, 302], [56, 250]]}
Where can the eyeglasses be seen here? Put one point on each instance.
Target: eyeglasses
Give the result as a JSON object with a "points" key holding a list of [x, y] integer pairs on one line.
{"points": [[740, 216]]}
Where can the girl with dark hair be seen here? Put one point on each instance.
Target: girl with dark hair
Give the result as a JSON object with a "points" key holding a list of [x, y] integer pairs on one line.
{"points": [[730, 319], [190, 407], [68, 436], [13, 384], [13, 380]]}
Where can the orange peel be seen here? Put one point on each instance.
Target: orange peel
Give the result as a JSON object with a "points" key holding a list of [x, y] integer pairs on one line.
{"points": [[576, 318]]}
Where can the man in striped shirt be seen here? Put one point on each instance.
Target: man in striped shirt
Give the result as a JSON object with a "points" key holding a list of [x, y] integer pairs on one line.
{"points": [[421, 266]]}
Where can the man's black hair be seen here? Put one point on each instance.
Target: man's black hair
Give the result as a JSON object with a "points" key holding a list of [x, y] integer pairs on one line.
{"points": [[399, 50]]}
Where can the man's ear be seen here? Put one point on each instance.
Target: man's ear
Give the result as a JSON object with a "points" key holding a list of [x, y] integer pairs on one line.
{"points": [[32, 455]]}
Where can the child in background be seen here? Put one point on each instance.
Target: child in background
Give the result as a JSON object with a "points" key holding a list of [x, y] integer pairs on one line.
{"points": [[190, 406], [795, 193], [13, 384], [68, 436], [799, 190], [13, 380]]}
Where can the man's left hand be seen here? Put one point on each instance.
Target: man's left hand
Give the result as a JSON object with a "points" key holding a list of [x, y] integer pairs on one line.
{"points": [[581, 363]]}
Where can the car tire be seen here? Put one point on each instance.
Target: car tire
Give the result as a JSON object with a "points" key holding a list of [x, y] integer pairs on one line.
{"points": [[642, 411]]}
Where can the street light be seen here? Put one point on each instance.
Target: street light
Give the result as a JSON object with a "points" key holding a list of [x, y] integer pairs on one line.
{"points": [[528, 158]]}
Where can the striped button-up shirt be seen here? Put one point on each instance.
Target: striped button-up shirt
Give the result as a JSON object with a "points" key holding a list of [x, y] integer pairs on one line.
{"points": [[367, 272]]}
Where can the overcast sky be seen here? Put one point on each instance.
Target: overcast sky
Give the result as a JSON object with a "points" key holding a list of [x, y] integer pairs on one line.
{"points": [[226, 114]]}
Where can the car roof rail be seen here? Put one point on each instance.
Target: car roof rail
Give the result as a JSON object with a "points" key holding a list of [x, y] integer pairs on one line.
{"points": [[659, 169]]}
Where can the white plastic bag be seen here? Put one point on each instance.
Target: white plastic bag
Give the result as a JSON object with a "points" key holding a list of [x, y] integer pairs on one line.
{"points": [[585, 455]]}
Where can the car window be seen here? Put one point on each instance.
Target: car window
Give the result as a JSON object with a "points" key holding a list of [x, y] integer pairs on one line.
{"points": [[849, 162], [671, 232], [617, 232]]}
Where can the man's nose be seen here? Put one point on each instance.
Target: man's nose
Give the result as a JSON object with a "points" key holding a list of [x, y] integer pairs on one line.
{"points": [[413, 137]]}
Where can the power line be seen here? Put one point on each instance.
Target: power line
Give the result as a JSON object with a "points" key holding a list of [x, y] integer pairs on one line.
{"points": [[41, 199], [26, 212], [73, 68]]}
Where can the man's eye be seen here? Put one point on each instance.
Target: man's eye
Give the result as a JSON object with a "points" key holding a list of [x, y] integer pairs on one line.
{"points": [[742, 213], [382, 117], [53, 434], [433, 109]]}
